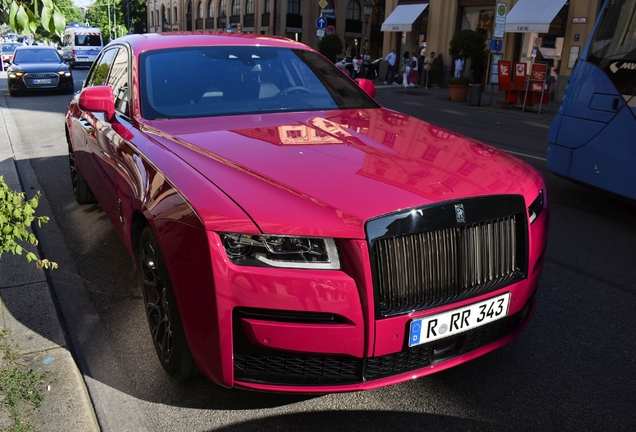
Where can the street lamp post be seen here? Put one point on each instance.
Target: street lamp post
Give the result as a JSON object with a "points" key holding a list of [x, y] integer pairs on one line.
{"points": [[368, 10]]}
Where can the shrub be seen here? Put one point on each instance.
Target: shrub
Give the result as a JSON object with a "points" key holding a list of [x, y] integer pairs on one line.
{"points": [[467, 44], [462, 80], [330, 46], [16, 216]]}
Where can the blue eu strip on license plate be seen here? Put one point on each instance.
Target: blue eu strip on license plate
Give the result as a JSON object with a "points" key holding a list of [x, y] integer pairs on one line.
{"points": [[456, 321]]}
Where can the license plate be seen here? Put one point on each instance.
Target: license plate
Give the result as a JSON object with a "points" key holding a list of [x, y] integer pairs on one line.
{"points": [[460, 320], [42, 81], [82, 58]]}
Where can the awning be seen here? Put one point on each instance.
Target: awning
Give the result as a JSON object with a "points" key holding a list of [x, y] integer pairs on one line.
{"points": [[532, 16], [403, 17]]}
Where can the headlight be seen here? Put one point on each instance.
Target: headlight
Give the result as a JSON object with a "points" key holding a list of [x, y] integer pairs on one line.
{"points": [[15, 74], [536, 207], [281, 251], [64, 73]]}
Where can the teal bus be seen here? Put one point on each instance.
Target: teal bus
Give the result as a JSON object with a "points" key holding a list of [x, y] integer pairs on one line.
{"points": [[592, 139]]}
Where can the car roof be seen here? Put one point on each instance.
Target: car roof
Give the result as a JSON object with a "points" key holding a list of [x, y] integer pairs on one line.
{"points": [[153, 41], [34, 47]]}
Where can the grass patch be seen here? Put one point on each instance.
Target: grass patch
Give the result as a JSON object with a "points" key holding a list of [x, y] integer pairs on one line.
{"points": [[21, 389]]}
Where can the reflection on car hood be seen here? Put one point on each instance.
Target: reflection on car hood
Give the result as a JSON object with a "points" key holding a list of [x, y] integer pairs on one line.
{"points": [[338, 169], [41, 67]]}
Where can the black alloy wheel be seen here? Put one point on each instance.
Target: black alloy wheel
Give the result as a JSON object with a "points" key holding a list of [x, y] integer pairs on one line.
{"points": [[164, 321], [82, 192]]}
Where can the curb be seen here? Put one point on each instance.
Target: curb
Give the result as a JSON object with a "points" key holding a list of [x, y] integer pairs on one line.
{"points": [[31, 317]]}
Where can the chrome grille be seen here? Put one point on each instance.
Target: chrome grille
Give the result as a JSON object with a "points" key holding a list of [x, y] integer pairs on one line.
{"points": [[421, 270]]}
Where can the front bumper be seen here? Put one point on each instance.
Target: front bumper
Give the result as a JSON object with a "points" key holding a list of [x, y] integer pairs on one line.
{"points": [[311, 331], [28, 84]]}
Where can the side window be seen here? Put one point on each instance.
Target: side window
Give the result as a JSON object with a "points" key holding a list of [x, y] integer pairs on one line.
{"points": [[99, 72], [118, 80], [67, 40]]}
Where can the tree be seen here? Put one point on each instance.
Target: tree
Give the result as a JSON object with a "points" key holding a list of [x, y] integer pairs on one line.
{"points": [[26, 15], [330, 46]]}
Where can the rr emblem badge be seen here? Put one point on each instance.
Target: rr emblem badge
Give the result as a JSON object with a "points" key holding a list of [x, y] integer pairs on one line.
{"points": [[459, 213]]}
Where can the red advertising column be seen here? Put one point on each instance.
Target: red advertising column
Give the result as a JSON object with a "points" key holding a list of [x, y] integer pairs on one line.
{"points": [[519, 81], [505, 81]]}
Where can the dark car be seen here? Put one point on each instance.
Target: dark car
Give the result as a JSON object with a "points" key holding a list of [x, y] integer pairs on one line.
{"points": [[37, 68]]}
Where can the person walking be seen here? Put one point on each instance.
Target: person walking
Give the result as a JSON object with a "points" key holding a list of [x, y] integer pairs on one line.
{"points": [[357, 64], [414, 74], [437, 69], [405, 69], [428, 62], [390, 59]]}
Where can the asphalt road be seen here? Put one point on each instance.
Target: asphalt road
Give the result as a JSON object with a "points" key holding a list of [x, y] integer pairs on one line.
{"points": [[572, 369]]}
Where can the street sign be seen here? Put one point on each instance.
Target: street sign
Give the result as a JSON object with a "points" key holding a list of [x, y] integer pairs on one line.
{"points": [[321, 23], [320, 33], [229, 27], [331, 29], [323, 4], [500, 20]]}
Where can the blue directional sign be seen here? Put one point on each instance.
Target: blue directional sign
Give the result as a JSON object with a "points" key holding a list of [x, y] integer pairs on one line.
{"points": [[229, 27], [321, 23]]}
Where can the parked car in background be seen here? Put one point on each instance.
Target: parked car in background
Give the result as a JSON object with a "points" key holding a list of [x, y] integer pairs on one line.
{"points": [[291, 234], [7, 50], [38, 68]]}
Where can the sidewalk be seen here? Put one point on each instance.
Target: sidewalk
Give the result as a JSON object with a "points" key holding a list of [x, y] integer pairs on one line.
{"points": [[29, 316], [488, 101]]}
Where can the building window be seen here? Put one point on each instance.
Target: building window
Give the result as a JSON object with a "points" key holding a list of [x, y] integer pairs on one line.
{"points": [[211, 9], [249, 7], [236, 7], [175, 20], [200, 10], [266, 6], [293, 7], [353, 10]]}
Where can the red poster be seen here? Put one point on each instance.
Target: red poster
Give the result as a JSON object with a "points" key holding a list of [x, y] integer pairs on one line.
{"points": [[538, 72], [520, 72], [504, 74]]}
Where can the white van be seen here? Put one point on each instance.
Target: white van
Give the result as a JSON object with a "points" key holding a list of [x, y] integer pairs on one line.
{"points": [[81, 45]]}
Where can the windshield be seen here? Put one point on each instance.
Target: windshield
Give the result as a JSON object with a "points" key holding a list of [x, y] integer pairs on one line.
{"points": [[613, 48], [88, 40], [226, 80], [8, 48], [36, 56]]}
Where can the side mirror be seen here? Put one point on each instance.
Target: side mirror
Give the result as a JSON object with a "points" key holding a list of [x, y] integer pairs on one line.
{"points": [[99, 99], [367, 86]]}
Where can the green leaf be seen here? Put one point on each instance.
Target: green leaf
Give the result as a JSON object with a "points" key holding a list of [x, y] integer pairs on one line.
{"points": [[18, 250], [59, 20], [46, 17], [22, 20], [13, 10], [48, 4]]}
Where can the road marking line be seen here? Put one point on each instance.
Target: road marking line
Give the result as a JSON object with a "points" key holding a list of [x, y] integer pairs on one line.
{"points": [[525, 155]]}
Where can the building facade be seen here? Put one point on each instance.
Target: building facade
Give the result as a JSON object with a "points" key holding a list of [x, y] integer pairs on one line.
{"points": [[552, 31]]}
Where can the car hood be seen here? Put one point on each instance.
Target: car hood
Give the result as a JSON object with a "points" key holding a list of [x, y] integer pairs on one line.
{"points": [[40, 67], [326, 173]]}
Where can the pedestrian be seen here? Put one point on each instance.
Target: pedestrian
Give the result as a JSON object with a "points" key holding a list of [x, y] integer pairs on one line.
{"points": [[459, 67], [357, 64], [428, 62], [437, 69], [390, 71], [414, 74], [405, 68]]}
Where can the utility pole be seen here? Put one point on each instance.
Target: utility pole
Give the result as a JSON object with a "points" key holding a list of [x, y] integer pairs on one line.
{"points": [[110, 33]]}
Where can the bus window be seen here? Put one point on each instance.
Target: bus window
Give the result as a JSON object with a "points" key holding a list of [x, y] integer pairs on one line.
{"points": [[592, 138]]}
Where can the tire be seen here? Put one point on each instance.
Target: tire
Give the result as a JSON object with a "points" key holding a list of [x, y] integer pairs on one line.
{"points": [[160, 305], [82, 192]]}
